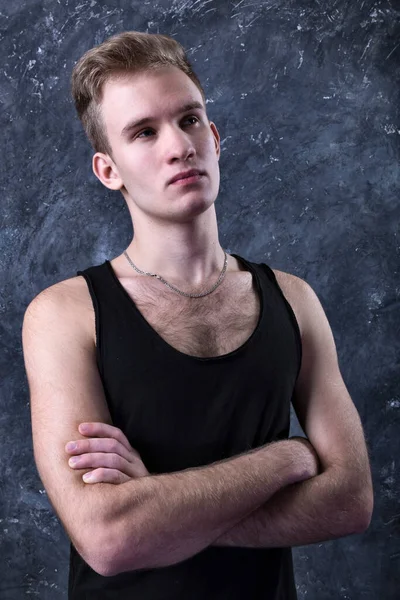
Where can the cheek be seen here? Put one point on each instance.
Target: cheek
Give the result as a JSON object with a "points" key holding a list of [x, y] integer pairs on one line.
{"points": [[135, 170], [211, 145], [210, 150]]}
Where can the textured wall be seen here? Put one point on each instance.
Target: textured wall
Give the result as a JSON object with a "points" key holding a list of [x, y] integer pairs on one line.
{"points": [[306, 99]]}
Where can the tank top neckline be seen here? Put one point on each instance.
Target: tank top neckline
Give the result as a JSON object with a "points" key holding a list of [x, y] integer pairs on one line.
{"points": [[219, 358]]}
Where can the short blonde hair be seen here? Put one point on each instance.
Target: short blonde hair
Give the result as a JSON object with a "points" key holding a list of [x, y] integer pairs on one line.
{"points": [[127, 52]]}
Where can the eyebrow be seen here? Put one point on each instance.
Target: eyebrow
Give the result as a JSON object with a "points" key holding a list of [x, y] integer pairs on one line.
{"points": [[137, 123]]}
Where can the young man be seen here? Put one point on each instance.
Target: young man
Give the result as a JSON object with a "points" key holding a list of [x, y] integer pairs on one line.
{"points": [[182, 361]]}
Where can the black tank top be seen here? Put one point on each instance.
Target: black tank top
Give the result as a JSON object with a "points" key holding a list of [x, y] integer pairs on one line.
{"points": [[180, 411]]}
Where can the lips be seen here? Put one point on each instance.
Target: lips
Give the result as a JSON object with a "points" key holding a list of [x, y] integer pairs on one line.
{"points": [[184, 174]]}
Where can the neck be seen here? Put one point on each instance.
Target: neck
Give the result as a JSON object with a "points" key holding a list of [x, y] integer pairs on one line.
{"points": [[184, 254]]}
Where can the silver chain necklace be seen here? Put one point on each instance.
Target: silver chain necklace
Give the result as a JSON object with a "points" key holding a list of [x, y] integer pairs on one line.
{"points": [[220, 278]]}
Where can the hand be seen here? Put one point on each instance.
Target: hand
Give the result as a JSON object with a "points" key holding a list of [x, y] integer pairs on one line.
{"points": [[108, 452], [312, 462]]}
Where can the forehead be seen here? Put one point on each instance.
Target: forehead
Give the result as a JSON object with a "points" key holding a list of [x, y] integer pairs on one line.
{"points": [[153, 93]]}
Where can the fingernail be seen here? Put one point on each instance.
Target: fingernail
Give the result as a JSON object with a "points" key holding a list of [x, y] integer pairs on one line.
{"points": [[87, 476], [71, 446], [83, 427]]}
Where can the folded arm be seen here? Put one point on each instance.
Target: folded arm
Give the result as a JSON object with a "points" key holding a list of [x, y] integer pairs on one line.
{"points": [[164, 519], [339, 501], [149, 521], [161, 520], [308, 512]]}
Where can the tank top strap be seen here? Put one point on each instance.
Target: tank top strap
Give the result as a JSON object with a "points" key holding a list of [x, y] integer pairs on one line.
{"points": [[96, 280], [262, 270]]}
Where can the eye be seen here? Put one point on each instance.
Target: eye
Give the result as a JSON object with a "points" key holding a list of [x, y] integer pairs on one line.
{"points": [[140, 134], [193, 117], [186, 119]]}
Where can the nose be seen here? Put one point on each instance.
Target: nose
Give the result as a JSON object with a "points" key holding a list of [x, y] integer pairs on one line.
{"points": [[179, 145]]}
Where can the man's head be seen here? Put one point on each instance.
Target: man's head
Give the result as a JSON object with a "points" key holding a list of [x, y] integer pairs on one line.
{"points": [[135, 75], [128, 52]]}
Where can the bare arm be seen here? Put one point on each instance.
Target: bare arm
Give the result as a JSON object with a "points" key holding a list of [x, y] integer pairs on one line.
{"points": [[340, 501], [306, 512], [65, 389], [335, 503], [157, 519], [175, 516]]}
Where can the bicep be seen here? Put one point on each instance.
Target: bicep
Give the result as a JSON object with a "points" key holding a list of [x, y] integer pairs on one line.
{"points": [[321, 400], [65, 389]]}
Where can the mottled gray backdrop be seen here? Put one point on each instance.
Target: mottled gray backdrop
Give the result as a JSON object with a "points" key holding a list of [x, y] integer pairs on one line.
{"points": [[306, 99]]}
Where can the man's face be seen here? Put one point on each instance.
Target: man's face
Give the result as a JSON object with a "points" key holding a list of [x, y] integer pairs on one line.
{"points": [[148, 155]]}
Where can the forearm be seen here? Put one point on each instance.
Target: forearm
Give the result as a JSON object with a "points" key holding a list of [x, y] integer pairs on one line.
{"points": [[307, 512], [161, 520]]}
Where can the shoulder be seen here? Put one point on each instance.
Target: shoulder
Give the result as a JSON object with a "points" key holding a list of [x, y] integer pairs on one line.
{"points": [[68, 300], [71, 292], [300, 295], [291, 283]]}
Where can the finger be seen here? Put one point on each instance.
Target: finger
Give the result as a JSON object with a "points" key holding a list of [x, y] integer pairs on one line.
{"points": [[98, 429], [103, 475], [104, 445], [93, 460]]}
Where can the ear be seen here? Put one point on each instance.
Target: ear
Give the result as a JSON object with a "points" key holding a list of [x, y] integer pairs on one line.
{"points": [[216, 138], [105, 169]]}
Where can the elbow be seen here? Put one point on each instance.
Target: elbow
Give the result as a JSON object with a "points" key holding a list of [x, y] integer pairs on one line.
{"points": [[353, 510], [93, 554], [102, 562], [105, 568], [111, 553], [359, 508], [365, 509], [116, 536], [97, 552], [103, 553], [94, 545]]}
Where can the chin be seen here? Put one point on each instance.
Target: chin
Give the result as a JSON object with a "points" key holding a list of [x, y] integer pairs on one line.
{"points": [[193, 208]]}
